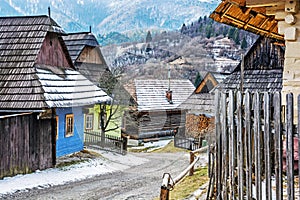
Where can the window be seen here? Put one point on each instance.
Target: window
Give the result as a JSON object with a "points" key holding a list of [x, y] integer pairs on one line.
{"points": [[89, 122], [69, 125]]}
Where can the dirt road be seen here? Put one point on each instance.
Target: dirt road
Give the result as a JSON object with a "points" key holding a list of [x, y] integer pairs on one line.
{"points": [[137, 182]]}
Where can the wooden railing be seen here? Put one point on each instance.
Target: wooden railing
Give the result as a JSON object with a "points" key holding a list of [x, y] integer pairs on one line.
{"points": [[168, 183], [112, 143]]}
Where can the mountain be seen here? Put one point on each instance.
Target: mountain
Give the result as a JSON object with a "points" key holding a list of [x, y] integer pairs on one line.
{"points": [[106, 16]]}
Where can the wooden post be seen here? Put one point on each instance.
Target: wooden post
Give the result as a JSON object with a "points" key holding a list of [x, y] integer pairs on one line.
{"points": [[278, 145], [164, 189], [248, 146], [191, 161], [267, 146], [290, 147]]}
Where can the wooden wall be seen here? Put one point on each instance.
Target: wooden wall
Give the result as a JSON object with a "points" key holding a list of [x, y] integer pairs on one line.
{"points": [[153, 123], [52, 52], [25, 144]]}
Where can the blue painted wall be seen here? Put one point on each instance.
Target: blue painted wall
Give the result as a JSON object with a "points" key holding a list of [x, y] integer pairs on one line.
{"points": [[67, 145]]}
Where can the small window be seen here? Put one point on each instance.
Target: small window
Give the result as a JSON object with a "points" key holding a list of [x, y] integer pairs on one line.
{"points": [[69, 125], [57, 128], [89, 122]]}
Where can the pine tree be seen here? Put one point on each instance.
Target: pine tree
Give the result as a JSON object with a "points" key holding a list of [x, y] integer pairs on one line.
{"points": [[183, 28], [148, 37], [198, 80]]}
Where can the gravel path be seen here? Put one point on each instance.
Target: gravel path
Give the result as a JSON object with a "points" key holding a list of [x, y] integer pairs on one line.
{"points": [[137, 182]]}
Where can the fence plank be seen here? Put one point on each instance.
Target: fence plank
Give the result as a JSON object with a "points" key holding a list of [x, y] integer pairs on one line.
{"points": [[268, 193], [224, 145], [232, 145], [278, 145], [248, 146], [240, 145], [257, 144], [218, 146], [290, 146]]}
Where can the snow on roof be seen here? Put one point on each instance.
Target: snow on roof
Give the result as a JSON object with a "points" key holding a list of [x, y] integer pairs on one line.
{"points": [[151, 94], [69, 88]]}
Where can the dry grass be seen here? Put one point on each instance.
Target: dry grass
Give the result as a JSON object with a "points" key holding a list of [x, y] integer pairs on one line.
{"points": [[190, 184], [170, 148]]}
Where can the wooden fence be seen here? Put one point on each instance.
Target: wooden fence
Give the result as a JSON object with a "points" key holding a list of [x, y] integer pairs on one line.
{"points": [[26, 144], [111, 143], [255, 137]]}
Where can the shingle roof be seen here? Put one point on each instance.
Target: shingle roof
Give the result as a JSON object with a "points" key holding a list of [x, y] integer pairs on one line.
{"points": [[77, 41], [263, 68], [21, 39], [151, 93], [67, 88], [202, 103]]}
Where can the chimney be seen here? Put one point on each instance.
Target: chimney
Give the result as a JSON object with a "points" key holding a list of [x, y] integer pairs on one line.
{"points": [[169, 96], [169, 92]]}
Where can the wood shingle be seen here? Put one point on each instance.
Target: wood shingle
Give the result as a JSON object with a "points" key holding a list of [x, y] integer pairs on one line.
{"points": [[31, 47]]}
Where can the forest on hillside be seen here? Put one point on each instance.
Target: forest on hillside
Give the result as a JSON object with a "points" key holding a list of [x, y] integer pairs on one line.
{"points": [[197, 48]]}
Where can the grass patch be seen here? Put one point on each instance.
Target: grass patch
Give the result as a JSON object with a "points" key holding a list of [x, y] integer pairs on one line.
{"points": [[190, 184], [170, 148]]}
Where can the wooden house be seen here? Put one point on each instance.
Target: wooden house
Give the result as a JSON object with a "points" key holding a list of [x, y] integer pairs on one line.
{"points": [[37, 75], [157, 112], [263, 68], [86, 55]]}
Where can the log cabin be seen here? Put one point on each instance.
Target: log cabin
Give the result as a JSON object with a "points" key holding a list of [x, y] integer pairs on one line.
{"points": [[157, 112]]}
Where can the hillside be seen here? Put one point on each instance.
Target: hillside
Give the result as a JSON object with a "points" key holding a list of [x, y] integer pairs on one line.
{"points": [[187, 52], [114, 21]]}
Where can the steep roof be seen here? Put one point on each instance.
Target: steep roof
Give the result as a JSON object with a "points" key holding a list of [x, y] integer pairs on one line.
{"points": [[151, 94], [68, 88], [202, 103], [263, 66], [21, 86], [77, 41]]}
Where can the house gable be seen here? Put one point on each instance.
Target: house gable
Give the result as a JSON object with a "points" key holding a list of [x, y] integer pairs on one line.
{"points": [[90, 55], [52, 52], [208, 83]]}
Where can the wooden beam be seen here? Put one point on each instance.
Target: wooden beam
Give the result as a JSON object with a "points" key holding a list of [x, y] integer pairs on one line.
{"points": [[263, 3]]}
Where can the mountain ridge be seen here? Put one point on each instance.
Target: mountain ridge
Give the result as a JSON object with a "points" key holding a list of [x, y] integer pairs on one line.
{"points": [[106, 16]]}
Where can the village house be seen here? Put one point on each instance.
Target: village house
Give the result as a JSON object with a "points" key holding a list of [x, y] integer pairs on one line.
{"points": [[38, 76], [86, 55], [157, 113]]}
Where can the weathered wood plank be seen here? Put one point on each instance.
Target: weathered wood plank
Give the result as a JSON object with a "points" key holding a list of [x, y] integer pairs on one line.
{"points": [[257, 144], [278, 145], [224, 145], [290, 147], [232, 145], [248, 146], [240, 145], [267, 148], [218, 145]]}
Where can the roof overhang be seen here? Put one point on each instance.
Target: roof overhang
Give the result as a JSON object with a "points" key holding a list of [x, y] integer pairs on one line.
{"points": [[252, 16]]}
